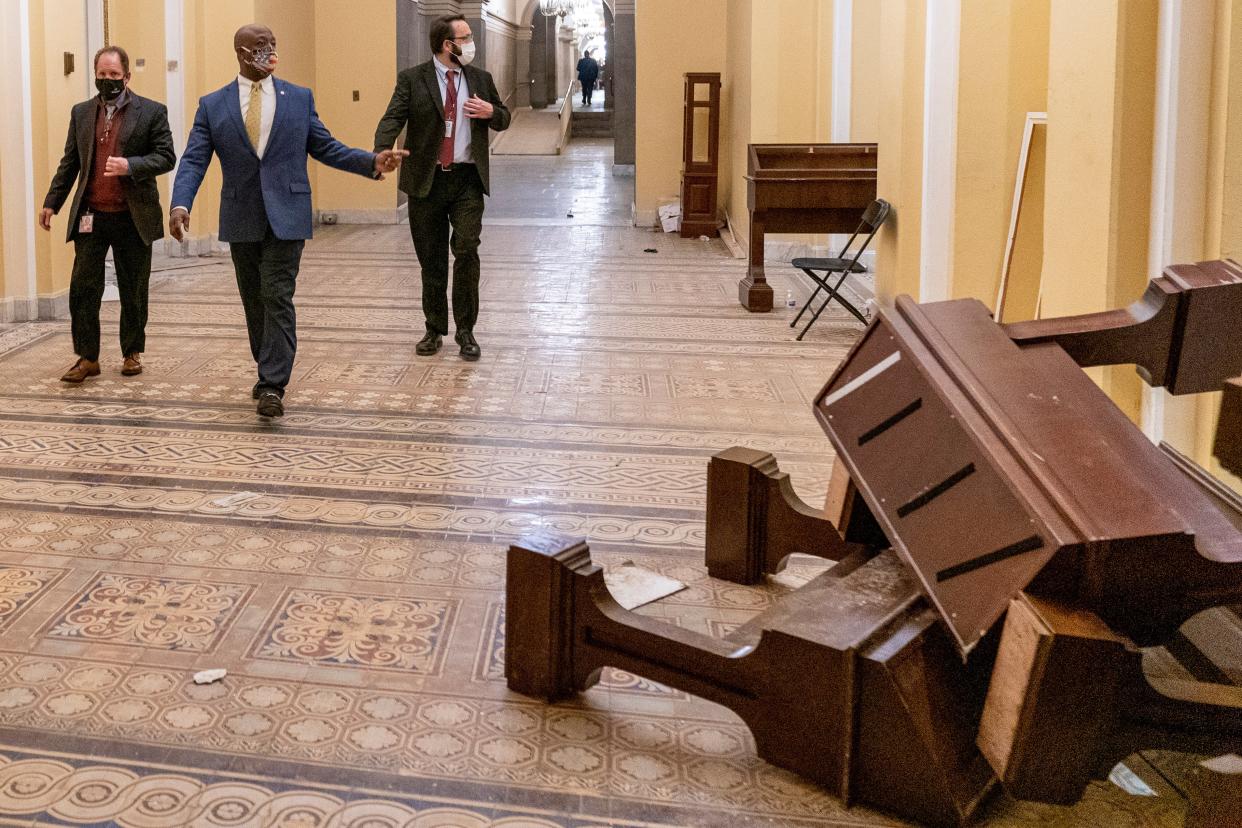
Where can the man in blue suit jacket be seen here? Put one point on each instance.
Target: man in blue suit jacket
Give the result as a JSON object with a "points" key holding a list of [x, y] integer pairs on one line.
{"points": [[263, 129]]}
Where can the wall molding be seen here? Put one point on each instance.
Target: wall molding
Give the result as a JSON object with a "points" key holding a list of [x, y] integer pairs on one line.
{"points": [[18, 272], [18, 309], [373, 215], [54, 305]]}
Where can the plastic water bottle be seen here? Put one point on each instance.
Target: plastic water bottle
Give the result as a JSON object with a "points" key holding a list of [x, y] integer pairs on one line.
{"points": [[789, 300]]}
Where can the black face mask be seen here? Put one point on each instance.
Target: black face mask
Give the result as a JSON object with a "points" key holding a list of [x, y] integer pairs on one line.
{"points": [[110, 88]]}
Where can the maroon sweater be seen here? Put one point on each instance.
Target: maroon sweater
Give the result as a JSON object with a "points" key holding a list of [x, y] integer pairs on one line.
{"points": [[104, 194]]}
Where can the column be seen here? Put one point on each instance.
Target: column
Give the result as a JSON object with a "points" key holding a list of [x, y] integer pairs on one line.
{"points": [[412, 46], [1179, 192], [621, 57], [475, 12], [538, 62], [551, 93], [940, 80], [566, 57], [608, 48], [521, 67], [19, 298]]}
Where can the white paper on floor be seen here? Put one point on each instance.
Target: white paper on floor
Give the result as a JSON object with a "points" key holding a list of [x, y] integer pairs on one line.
{"points": [[1129, 781], [209, 676], [1229, 763], [235, 499], [632, 586]]}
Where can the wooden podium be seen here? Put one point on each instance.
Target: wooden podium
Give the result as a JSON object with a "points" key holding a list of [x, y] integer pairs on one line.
{"points": [[1017, 569], [802, 188]]}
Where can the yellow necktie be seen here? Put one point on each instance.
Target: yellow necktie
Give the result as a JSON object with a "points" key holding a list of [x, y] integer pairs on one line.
{"points": [[254, 115]]}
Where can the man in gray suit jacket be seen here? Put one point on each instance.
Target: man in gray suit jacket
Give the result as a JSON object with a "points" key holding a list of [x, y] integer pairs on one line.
{"points": [[118, 143], [446, 107]]}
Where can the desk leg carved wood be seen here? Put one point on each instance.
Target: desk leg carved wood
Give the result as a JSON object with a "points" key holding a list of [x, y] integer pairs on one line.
{"points": [[755, 521], [847, 681], [753, 291]]}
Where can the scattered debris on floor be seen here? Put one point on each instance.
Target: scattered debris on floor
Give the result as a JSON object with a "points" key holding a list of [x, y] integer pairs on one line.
{"points": [[632, 586], [210, 676], [235, 499], [650, 250]]}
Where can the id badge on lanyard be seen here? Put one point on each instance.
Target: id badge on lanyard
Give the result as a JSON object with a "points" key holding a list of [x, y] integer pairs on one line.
{"points": [[87, 222]]}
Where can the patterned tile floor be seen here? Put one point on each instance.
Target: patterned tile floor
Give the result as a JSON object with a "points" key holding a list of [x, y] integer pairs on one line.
{"points": [[345, 564]]}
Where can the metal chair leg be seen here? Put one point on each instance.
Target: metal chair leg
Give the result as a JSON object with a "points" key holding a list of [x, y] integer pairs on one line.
{"points": [[818, 288]]}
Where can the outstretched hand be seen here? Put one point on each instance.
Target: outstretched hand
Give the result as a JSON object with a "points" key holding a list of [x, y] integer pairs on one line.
{"points": [[388, 160], [178, 223]]}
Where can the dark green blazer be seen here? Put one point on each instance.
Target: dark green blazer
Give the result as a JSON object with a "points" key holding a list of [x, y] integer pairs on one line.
{"points": [[417, 108], [145, 140]]}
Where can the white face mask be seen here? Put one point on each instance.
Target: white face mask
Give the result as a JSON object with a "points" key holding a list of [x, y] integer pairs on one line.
{"points": [[466, 56]]}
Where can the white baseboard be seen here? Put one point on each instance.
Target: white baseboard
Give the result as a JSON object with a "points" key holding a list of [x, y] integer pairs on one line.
{"points": [[194, 246], [645, 218], [18, 309], [54, 305], [381, 215]]}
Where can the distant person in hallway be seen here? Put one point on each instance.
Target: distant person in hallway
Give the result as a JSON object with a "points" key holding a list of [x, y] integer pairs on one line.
{"points": [[446, 107], [263, 129], [588, 74], [118, 143]]}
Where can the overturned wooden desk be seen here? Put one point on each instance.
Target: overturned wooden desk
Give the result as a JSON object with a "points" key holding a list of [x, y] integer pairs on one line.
{"points": [[802, 188], [983, 483]]}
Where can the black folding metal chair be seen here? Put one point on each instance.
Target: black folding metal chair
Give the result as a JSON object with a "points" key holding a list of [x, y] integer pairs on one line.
{"points": [[872, 219]]}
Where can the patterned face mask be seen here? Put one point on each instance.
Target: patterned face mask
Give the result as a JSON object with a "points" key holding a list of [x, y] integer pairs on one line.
{"points": [[264, 60]]}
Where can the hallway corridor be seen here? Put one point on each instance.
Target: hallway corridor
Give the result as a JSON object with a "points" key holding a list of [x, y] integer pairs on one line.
{"points": [[346, 564]]}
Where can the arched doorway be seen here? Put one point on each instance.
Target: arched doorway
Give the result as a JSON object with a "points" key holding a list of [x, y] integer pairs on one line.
{"points": [[546, 74]]}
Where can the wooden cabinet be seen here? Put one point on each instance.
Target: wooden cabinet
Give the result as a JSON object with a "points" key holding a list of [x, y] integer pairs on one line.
{"points": [[700, 153]]}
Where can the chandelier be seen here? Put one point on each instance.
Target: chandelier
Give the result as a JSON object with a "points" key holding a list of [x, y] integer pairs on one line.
{"points": [[555, 8]]}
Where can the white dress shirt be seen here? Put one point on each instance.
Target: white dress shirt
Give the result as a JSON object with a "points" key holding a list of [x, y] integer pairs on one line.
{"points": [[267, 90], [461, 130]]}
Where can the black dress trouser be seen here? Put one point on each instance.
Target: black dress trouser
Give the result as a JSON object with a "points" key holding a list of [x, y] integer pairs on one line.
{"points": [[456, 201], [267, 273], [132, 257]]}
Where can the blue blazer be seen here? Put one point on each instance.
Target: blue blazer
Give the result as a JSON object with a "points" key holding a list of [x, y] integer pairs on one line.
{"points": [[276, 189]]}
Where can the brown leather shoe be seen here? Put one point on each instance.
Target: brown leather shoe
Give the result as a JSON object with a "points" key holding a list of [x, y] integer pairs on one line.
{"points": [[81, 369], [133, 364]]}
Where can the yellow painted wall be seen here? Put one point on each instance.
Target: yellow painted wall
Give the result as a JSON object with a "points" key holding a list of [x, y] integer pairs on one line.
{"points": [[210, 63], [865, 62], [138, 27], [354, 50], [664, 55], [56, 27], [900, 165], [1101, 99], [735, 125], [1003, 71]]}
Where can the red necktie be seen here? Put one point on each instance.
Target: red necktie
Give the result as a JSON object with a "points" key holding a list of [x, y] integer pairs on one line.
{"points": [[450, 119]]}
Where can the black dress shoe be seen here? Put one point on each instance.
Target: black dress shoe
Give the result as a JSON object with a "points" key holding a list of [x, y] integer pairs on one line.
{"points": [[428, 345], [254, 393], [470, 350], [270, 405]]}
